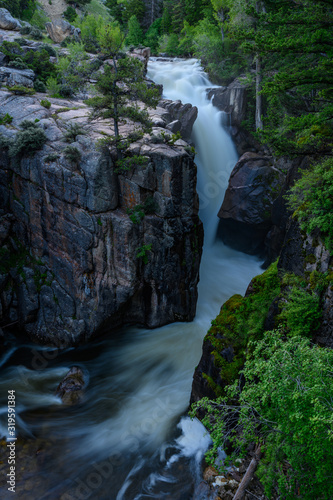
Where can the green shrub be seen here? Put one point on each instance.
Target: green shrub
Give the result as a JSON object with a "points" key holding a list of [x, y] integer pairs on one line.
{"points": [[312, 200], [286, 407], [51, 157], [6, 119], [46, 103], [20, 90], [53, 87], [65, 90], [142, 253], [49, 49], [21, 41], [136, 214], [72, 154], [39, 62], [18, 64], [40, 86], [36, 34], [156, 139], [73, 131], [70, 14], [28, 140], [301, 312], [25, 30]]}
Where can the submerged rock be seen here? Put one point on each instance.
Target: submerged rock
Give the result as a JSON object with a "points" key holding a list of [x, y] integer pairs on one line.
{"points": [[70, 389]]}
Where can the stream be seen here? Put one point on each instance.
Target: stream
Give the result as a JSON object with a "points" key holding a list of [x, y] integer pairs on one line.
{"points": [[130, 438]]}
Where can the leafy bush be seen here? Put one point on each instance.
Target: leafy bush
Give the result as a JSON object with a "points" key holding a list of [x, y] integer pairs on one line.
{"points": [[312, 199], [23, 9], [25, 30], [53, 87], [6, 119], [286, 407], [142, 253], [136, 214], [65, 90], [70, 14], [73, 131], [20, 90], [18, 64], [36, 34], [40, 63], [28, 140], [51, 157], [72, 154], [40, 86], [301, 312], [21, 41], [49, 49], [46, 103]]}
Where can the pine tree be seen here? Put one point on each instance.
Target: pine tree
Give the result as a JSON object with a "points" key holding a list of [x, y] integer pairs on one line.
{"points": [[134, 32], [120, 86]]}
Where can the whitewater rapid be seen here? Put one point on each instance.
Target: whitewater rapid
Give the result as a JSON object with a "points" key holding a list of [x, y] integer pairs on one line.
{"points": [[139, 380]]}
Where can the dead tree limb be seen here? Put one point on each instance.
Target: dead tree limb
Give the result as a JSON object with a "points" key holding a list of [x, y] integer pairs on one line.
{"points": [[248, 475]]}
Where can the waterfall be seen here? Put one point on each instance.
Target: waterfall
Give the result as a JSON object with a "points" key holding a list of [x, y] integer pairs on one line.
{"points": [[130, 438]]}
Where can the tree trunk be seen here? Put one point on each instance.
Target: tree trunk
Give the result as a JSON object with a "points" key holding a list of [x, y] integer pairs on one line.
{"points": [[248, 475], [259, 123]]}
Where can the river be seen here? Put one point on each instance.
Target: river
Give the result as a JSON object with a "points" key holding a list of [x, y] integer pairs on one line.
{"points": [[130, 438]]}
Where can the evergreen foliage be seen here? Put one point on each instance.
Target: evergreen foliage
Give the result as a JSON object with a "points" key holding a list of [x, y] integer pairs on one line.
{"points": [[134, 32], [121, 86]]}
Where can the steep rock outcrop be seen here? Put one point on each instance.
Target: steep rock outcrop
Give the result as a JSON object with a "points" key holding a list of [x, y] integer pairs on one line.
{"points": [[76, 261], [182, 116], [231, 99], [246, 211], [21, 77], [59, 29]]}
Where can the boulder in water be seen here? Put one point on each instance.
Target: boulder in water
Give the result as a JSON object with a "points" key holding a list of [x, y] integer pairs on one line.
{"points": [[70, 389]]}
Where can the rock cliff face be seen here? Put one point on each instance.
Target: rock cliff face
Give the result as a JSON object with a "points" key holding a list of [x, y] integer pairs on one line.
{"points": [[246, 211], [73, 261]]}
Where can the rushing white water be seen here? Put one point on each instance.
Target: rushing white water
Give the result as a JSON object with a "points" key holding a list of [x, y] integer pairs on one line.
{"points": [[139, 381]]}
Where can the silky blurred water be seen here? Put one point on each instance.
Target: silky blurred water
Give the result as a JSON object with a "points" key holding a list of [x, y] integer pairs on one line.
{"points": [[130, 438]]}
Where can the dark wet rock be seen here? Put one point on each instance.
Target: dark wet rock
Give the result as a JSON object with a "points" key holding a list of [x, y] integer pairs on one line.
{"points": [[8, 22], [292, 258], [185, 113], [231, 99], [246, 211], [83, 250], [205, 371], [70, 389], [324, 335], [21, 77], [204, 492]]}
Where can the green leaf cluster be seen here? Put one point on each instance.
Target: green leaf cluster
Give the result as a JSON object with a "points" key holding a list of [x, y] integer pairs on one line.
{"points": [[311, 199], [286, 408]]}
